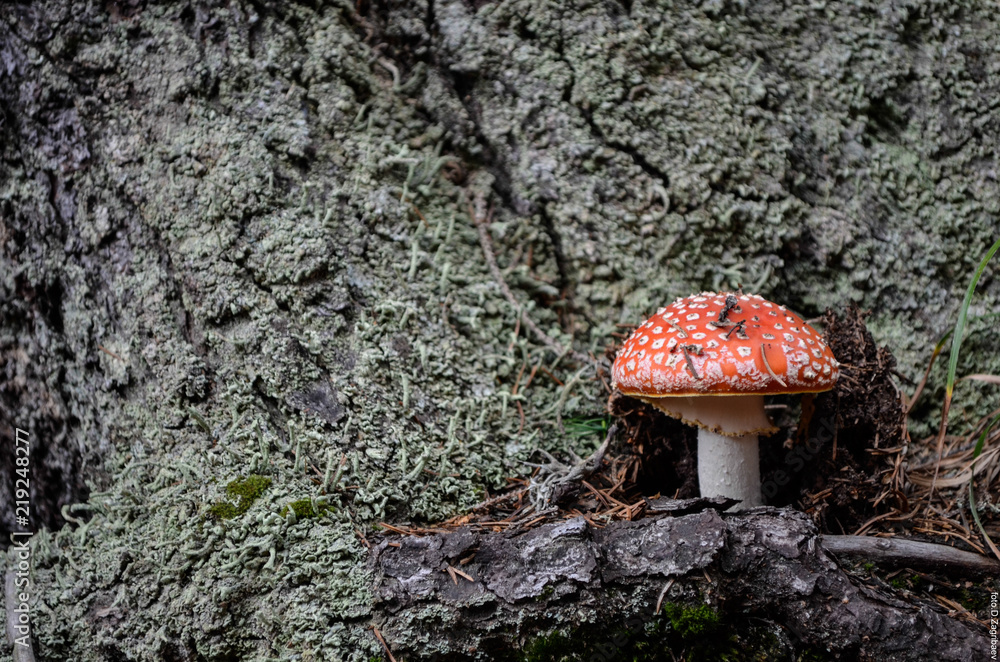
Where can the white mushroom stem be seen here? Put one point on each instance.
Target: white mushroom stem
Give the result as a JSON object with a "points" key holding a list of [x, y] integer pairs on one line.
{"points": [[728, 425], [730, 467]]}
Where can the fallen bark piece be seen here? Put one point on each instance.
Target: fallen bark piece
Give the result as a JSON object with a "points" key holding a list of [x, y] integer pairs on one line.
{"points": [[593, 588], [686, 506]]}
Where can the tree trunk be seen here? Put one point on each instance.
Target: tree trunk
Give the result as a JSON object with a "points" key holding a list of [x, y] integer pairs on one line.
{"points": [[247, 314]]}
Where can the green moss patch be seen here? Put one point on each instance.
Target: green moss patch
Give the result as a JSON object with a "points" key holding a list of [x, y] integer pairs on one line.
{"points": [[304, 508], [691, 622], [555, 646], [696, 633], [244, 491]]}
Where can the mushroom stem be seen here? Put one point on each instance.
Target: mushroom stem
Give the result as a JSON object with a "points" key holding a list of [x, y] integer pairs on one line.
{"points": [[729, 467]]}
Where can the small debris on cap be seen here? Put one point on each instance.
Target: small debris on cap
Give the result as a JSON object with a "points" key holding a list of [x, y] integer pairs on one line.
{"points": [[724, 344]]}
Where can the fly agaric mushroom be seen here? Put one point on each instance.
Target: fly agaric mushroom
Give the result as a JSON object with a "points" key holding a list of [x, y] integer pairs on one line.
{"points": [[709, 360]]}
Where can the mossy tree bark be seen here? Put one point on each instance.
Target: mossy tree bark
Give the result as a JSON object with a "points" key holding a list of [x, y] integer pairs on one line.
{"points": [[235, 240]]}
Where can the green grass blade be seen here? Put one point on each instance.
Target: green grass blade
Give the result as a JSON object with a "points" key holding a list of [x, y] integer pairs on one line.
{"points": [[956, 344], [972, 495], [956, 340], [936, 352]]}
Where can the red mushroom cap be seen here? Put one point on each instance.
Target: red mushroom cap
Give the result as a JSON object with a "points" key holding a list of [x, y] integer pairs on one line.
{"points": [[724, 344]]}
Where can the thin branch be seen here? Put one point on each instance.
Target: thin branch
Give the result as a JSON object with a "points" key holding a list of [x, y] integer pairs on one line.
{"points": [[482, 223], [381, 640], [554, 472], [910, 553]]}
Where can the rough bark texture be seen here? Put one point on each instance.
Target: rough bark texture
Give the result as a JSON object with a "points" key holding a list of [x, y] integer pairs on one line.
{"points": [[569, 577], [234, 240]]}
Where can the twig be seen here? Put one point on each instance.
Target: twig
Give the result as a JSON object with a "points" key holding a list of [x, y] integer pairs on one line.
{"points": [[681, 333], [453, 571], [663, 594], [489, 503], [557, 473], [396, 529], [550, 375], [878, 518], [959, 610], [482, 223], [109, 352], [910, 553], [763, 355], [690, 363], [381, 640]]}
